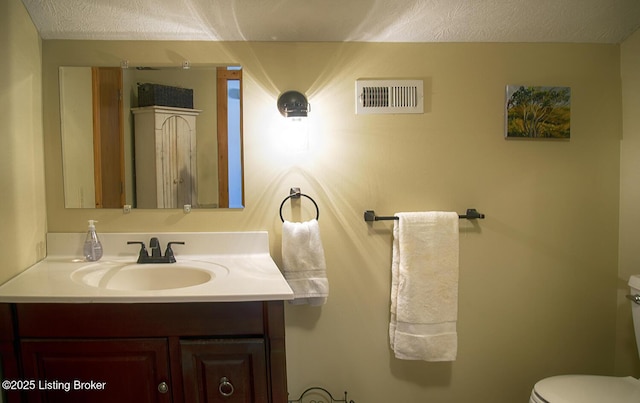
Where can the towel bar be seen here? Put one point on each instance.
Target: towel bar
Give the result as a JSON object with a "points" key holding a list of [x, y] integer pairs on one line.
{"points": [[370, 216]]}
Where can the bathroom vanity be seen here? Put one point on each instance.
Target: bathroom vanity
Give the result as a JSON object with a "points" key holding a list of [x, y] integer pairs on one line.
{"points": [[190, 352], [210, 342]]}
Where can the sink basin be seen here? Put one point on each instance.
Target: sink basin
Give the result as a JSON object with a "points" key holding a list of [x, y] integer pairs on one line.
{"points": [[147, 277]]}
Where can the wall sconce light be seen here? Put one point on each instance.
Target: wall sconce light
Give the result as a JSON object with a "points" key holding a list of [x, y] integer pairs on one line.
{"points": [[293, 104]]}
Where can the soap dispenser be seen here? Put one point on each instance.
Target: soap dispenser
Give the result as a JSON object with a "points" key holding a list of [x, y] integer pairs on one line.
{"points": [[92, 245]]}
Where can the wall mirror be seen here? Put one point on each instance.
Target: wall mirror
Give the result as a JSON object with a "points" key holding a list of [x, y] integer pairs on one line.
{"points": [[118, 149]]}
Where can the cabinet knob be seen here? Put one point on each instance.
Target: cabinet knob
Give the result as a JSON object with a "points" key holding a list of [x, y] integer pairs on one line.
{"points": [[163, 387], [225, 388]]}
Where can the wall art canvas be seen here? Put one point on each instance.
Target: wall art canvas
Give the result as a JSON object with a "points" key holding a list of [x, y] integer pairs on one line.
{"points": [[538, 112]]}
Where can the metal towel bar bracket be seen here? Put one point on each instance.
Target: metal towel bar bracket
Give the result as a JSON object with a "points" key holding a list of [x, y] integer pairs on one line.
{"points": [[370, 216]]}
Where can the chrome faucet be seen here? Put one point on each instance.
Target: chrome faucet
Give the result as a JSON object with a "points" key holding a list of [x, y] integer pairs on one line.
{"points": [[156, 252]]}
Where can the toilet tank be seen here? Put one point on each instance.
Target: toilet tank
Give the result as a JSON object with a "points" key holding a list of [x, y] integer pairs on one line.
{"points": [[634, 284]]}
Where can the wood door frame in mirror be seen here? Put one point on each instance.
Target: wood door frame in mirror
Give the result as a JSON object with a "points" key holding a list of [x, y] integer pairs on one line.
{"points": [[224, 75], [108, 137]]}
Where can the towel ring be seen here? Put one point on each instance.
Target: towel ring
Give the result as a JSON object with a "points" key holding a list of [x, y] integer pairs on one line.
{"points": [[296, 195]]}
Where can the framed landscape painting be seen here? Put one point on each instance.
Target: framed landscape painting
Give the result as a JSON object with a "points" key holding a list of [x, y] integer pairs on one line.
{"points": [[538, 112]]}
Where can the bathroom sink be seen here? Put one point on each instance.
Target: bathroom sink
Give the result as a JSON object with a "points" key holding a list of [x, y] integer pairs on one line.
{"points": [[127, 276], [210, 267]]}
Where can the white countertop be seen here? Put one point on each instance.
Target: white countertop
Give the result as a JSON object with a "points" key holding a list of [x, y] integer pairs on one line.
{"points": [[244, 270]]}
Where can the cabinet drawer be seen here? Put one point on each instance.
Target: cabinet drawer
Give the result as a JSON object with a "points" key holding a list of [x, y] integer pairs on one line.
{"points": [[140, 320]]}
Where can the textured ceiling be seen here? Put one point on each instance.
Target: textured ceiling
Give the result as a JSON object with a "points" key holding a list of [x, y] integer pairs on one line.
{"points": [[593, 21]]}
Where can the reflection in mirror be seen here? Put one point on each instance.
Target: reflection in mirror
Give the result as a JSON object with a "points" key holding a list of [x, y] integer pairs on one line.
{"points": [[117, 152]]}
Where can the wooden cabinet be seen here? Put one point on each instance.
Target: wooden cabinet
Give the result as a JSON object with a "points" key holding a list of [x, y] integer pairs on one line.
{"points": [[176, 352], [165, 156], [8, 356], [132, 370], [229, 371]]}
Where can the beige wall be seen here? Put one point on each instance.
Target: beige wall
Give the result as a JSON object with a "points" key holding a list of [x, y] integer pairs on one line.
{"points": [[22, 204], [538, 277], [626, 352]]}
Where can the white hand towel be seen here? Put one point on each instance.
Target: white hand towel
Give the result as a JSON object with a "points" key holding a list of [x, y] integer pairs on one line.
{"points": [[304, 264], [424, 287]]}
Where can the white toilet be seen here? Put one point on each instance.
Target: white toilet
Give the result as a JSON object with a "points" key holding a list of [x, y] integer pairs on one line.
{"points": [[591, 388]]}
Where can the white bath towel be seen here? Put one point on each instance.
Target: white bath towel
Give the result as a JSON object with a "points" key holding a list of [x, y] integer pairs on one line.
{"points": [[424, 287], [304, 264]]}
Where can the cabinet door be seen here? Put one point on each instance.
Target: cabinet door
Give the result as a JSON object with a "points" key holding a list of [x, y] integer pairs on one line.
{"points": [[177, 175], [230, 371], [9, 370], [8, 358], [96, 371]]}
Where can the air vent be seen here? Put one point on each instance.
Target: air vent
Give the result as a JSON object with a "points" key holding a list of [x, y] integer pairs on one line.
{"points": [[389, 96]]}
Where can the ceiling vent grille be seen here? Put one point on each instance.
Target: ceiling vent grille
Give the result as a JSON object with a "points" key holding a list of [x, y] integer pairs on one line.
{"points": [[389, 96]]}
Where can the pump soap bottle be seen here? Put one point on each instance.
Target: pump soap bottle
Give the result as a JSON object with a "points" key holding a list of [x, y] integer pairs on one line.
{"points": [[92, 245]]}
